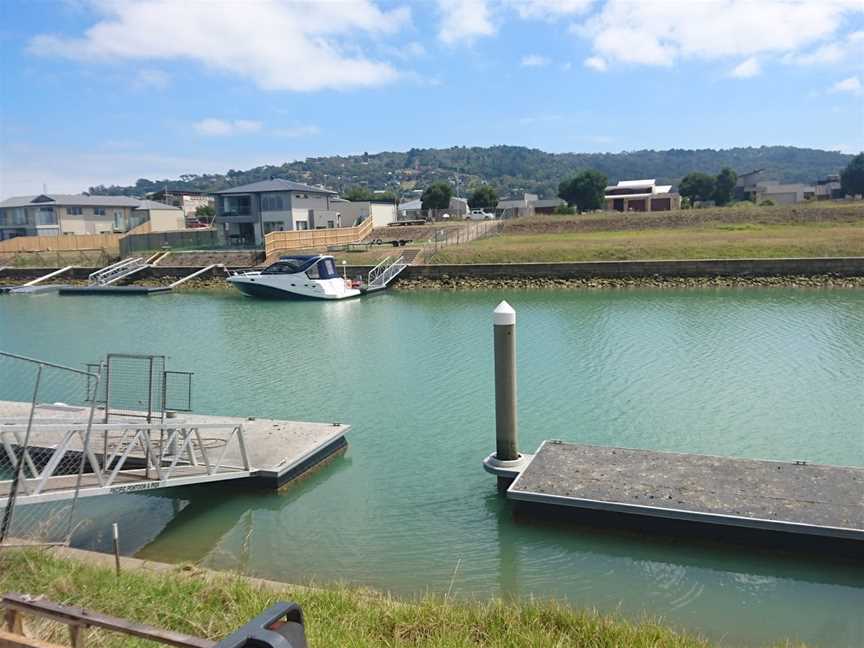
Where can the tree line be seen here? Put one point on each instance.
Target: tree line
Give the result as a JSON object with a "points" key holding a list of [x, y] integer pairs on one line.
{"points": [[586, 190]]}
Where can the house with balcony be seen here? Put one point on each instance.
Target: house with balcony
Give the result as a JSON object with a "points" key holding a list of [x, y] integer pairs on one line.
{"points": [[246, 214], [641, 196], [57, 214]]}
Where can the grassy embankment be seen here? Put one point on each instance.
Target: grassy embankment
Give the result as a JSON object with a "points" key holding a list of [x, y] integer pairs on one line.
{"points": [[721, 233], [199, 603]]}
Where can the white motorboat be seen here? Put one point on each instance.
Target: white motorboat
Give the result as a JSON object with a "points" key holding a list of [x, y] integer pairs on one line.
{"points": [[312, 277]]}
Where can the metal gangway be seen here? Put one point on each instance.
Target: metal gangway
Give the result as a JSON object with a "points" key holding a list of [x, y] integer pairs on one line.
{"points": [[121, 269], [59, 459], [383, 273]]}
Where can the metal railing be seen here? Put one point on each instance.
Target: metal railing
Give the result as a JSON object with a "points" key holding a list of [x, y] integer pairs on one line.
{"points": [[384, 272], [118, 457], [116, 271]]}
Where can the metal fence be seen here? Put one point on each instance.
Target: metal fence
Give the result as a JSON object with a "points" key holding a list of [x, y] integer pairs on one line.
{"points": [[447, 236], [46, 415]]}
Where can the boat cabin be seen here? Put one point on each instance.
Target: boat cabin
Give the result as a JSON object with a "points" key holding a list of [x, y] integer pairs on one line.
{"points": [[314, 266]]}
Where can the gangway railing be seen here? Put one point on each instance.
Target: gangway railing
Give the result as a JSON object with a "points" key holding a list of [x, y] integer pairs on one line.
{"points": [[383, 273], [116, 271], [120, 457]]}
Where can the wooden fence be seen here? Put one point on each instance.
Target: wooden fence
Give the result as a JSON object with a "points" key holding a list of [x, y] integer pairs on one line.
{"points": [[63, 243], [319, 239]]}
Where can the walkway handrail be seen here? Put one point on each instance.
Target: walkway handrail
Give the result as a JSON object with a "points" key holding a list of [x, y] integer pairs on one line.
{"points": [[179, 445]]}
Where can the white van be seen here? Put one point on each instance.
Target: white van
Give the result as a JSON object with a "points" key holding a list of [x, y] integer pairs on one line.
{"points": [[479, 214]]}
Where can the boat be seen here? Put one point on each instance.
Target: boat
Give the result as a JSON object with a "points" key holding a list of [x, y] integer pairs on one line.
{"points": [[312, 276]]}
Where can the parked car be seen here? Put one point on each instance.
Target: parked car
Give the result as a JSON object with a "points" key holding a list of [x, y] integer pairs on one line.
{"points": [[479, 214]]}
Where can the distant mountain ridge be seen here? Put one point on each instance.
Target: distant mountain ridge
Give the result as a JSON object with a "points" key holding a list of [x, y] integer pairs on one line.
{"points": [[510, 169]]}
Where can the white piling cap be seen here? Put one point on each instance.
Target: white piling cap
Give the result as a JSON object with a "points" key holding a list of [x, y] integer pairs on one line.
{"points": [[504, 315]]}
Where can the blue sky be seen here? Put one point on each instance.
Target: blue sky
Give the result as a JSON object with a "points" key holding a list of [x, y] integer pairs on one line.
{"points": [[104, 91]]}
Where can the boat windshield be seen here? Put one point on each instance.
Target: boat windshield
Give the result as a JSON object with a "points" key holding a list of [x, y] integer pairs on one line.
{"points": [[286, 266]]}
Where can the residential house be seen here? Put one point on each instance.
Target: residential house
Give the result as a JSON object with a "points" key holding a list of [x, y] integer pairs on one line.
{"points": [[829, 188], [56, 214], [248, 213], [528, 205], [783, 194], [354, 213], [413, 209], [188, 201], [641, 196], [745, 185]]}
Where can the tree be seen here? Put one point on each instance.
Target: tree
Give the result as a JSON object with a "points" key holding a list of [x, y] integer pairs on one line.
{"points": [[483, 197], [358, 194], [852, 177], [585, 190], [724, 186], [205, 212], [697, 186], [437, 196]]}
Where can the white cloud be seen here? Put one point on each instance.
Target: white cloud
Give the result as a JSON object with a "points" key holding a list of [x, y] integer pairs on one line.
{"points": [[297, 131], [220, 127], [746, 69], [596, 63], [653, 32], [851, 45], [277, 44], [852, 85], [464, 20], [150, 79], [534, 60], [548, 9]]}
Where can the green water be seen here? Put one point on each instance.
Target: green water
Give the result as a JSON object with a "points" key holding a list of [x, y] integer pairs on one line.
{"points": [[752, 373]]}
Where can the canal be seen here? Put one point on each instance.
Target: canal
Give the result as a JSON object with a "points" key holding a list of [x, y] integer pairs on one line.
{"points": [[770, 373]]}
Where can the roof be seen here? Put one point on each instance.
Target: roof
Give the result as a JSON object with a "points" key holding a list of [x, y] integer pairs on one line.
{"points": [[547, 202], [411, 205], [634, 183], [152, 204], [657, 194], [276, 184], [75, 200]]}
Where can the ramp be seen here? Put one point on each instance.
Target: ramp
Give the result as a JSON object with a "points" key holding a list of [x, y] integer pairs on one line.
{"points": [[382, 274]]}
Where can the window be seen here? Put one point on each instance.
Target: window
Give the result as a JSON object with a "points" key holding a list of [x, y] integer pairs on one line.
{"points": [[46, 216], [287, 266], [272, 202], [99, 211], [273, 226], [18, 216], [302, 225], [118, 219], [73, 211], [331, 224], [299, 195]]}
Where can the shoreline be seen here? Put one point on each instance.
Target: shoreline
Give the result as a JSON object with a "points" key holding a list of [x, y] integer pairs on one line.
{"points": [[467, 283]]}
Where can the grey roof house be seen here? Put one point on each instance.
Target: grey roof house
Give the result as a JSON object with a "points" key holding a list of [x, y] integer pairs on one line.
{"points": [[247, 213]]}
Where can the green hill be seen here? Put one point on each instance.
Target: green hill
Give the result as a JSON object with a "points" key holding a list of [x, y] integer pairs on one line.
{"points": [[510, 169]]}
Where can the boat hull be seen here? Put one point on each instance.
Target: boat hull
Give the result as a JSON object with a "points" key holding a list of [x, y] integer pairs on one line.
{"points": [[265, 290]]}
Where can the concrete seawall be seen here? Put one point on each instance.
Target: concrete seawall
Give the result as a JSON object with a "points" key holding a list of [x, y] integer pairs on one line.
{"points": [[803, 267]]}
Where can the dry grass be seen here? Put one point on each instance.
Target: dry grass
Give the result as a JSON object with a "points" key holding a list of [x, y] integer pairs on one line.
{"points": [[807, 231]]}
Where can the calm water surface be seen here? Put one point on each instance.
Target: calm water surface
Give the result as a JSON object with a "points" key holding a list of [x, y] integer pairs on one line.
{"points": [[750, 373]]}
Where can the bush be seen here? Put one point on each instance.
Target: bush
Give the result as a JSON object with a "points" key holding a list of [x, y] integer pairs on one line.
{"points": [[767, 203], [565, 209]]}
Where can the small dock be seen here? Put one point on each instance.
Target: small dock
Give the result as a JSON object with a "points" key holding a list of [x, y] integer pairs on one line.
{"points": [[793, 498], [132, 291], [781, 503]]}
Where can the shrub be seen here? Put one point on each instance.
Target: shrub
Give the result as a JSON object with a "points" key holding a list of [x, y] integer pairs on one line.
{"points": [[565, 209], [767, 203]]}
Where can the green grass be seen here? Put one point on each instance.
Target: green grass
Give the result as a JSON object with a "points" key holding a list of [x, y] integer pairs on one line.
{"points": [[199, 603]]}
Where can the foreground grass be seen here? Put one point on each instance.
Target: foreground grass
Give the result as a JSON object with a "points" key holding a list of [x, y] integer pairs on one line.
{"points": [[198, 603], [709, 241]]}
